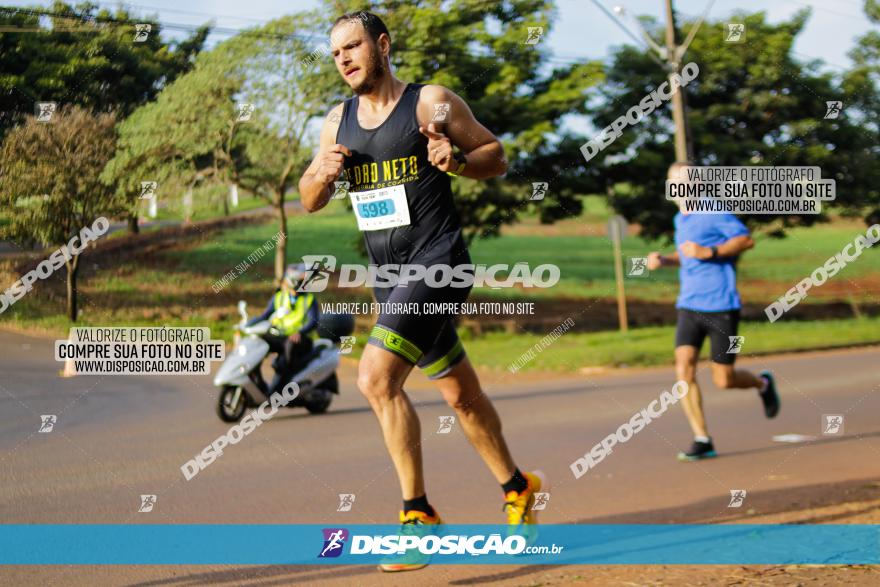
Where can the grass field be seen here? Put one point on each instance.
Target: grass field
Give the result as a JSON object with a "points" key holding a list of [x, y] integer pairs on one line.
{"points": [[174, 287], [583, 254], [653, 346], [207, 204]]}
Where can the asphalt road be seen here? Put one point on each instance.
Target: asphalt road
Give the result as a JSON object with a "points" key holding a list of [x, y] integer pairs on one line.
{"points": [[119, 437]]}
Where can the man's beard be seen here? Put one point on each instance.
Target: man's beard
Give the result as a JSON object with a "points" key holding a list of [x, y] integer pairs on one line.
{"points": [[376, 73]]}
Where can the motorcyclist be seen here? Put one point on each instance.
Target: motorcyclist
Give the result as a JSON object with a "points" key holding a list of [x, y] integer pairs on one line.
{"points": [[294, 315]]}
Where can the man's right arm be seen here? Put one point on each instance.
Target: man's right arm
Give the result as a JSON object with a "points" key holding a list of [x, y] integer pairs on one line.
{"points": [[315, 186], [670, 259]]}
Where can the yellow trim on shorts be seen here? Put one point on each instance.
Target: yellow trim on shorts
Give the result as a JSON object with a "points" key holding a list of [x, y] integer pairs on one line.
{"points": [[445, 361], [394, 342]]}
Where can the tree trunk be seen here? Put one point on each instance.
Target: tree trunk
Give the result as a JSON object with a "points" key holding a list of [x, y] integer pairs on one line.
{"points": [[281, 243], [133, 227], [72, 270]]}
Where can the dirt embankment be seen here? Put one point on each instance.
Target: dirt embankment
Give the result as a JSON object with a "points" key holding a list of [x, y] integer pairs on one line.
{"points": [[127, 246], [549, 313]]}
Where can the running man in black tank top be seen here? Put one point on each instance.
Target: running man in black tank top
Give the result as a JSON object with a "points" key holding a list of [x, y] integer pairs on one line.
{"points": [[399, 146]]}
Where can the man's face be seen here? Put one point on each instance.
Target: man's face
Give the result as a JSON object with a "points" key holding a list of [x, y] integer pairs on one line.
{"points": [[358, 59]]}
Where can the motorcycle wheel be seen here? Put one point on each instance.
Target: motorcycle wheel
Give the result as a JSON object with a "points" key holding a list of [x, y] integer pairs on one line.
{"points": [[231, 403], [318, 400]]}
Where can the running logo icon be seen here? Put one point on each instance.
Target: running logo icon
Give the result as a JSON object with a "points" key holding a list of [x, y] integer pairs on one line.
{"points": [[334, 541], [245, 111], [47, 423], [833, 109], [541, 501], [346, 502], [638, 266], [441, 112], [539, 190], [148, 189], [346, 344], [446, 424], [147, 503], [832, 424], [340, 190], [318, 270], [736, 32], [45, 110], [534, 35], [737, 498], [736, 344], [141, 32]]}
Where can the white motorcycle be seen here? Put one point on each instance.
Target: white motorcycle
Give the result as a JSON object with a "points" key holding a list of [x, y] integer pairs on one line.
{"points": [[314, 372]]}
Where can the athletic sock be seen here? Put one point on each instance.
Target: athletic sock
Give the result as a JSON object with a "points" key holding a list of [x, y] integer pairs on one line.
{"points": [[516, 483], [766, 385], [703, 439], [419, 504]]}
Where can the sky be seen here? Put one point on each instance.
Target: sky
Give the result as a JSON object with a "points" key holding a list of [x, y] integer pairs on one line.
{"points": [[581, 30]]}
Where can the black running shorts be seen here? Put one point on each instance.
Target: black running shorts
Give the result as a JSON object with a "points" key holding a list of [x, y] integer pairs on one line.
{"points": [[693, 327], [425, 339]]}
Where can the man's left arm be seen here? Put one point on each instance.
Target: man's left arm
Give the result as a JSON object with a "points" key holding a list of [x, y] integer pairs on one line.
{"points": [[480, 153], [729, 248], [734, 246], [737, 240]]}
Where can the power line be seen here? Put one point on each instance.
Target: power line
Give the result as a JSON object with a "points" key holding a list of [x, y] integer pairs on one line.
{"points": [[861, 18], [178, 11], [811, 58], [88, 26], [631, 35]]}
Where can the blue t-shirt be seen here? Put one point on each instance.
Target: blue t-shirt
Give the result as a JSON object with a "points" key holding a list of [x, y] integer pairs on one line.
{"points": [[710, 285]]}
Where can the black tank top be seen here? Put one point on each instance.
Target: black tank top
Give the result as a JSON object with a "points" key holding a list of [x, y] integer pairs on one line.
{"points": [[396, 153]]}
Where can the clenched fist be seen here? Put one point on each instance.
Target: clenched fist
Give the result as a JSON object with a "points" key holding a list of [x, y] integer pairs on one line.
{"points": [[331, 162]]}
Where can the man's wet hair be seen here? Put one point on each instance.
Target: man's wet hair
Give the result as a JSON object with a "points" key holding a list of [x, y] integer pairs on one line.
{"points": [[372, 23]]}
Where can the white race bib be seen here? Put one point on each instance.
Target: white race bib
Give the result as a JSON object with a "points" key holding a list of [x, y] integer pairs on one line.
{"points": [[382, 208]]}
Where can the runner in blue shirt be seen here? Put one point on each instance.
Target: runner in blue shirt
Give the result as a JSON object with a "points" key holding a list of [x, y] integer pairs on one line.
{"points": [[707, 250]]}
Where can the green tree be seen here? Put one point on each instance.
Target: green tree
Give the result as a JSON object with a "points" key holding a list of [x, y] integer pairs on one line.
{"points": [[188, 135], [861, 85], [85, 56], [49, 179], [752, 103], [517, 90], [195, 132]]}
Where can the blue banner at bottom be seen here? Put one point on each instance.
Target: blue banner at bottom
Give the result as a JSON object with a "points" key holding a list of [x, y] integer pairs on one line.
{"points": [[149, 544]]}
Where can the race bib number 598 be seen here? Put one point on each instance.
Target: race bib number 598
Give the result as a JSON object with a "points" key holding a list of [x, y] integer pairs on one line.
{"points": [[382, 208]]}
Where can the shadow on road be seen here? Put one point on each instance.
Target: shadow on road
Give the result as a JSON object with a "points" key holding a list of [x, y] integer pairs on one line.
{"points": [[496, 397]]}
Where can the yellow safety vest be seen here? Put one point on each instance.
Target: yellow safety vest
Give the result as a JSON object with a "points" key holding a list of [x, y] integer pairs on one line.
{"points": [[289, 318]]}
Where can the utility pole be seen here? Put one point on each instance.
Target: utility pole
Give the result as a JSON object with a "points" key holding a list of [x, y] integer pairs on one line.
{"points": [[669, 58], [616, 231], [683, 148]]}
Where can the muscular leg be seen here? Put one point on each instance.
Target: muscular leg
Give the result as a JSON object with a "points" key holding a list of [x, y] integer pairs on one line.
{"points": [[478, 418], [380, 378], [692, 403], [726, 377]]}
